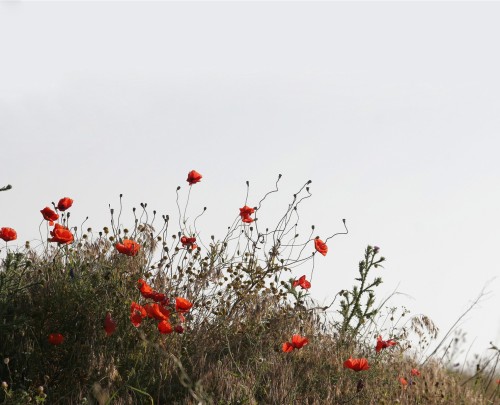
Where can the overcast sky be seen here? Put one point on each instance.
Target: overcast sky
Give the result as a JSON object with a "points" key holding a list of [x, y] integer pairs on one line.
{"points": [[391, 109]]}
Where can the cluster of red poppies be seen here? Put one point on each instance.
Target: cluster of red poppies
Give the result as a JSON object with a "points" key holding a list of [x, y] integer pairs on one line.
{"points": [[362, 364], [160, 309], [60, 234]]}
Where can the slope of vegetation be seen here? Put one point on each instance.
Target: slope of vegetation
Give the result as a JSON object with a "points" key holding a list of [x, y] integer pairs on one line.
{"points": [[161, 314]]}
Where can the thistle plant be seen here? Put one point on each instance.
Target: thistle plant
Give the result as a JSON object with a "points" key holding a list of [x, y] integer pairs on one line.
{"points": [[358, 305]]}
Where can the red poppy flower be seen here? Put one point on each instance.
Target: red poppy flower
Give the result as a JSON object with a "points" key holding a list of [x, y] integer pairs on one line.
{"points": [[415, 372], [157, 297], [128, 247], [49, 215], [245, 213], [8, 234], [56, 339], [193, 177], [61, 235], [383, 344], [297, 343], [109, 324], [137, 314], [403, 382], [145, 289], [164, 327], [302, 282], [182, 305], [320, 246], [357, 364], [157, 311], [64, 203], [189, 242]]}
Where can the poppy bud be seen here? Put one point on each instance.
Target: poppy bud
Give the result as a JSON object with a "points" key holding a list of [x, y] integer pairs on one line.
{"points": [[5, 385]]}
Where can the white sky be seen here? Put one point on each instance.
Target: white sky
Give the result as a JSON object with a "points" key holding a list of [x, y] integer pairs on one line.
{"points": [[391, 109]]}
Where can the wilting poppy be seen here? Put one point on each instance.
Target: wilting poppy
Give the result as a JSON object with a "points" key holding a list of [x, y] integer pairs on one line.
{"points": [[193, 177], [137, 314], [109, 324], [297, 343], [357, 364], [302, 282], [320, 246], [61, 235], [56, 339], [64, 203], [383, 344], [245, 213], [165, 327], [49, 215], [8, 234], [128, 247], [415, 372], [179, 329], [189, 242]]}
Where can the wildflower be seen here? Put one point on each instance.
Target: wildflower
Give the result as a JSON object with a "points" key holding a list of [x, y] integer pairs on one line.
{"points": [[245, 213], [193, 177], [383, 344], [415, 372], [189, 242], [182, 305], [320, 246], [145, 289], [157, 311], [158, 297], [109, 324], [302, 282], [128, 247], [61, 235], [64, 203], [8, 234], [49, 215], [164, 327], [148, 293], [298, 342], [137, 314], [56, 339], [357, 364], [403, 382], [179, 329]]}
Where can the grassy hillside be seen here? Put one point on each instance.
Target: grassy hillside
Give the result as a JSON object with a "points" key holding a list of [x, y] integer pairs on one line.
{"points": [[160, 313]]}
